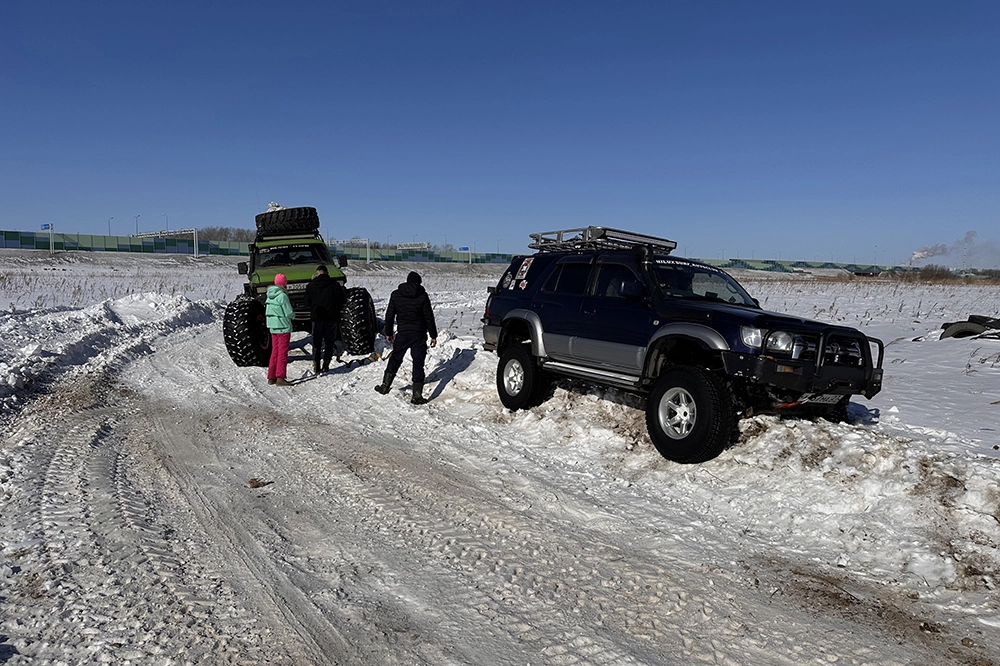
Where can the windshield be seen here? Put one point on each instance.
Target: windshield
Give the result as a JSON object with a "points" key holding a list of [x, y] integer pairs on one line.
{"points": [[290, 255], [695, 282]]}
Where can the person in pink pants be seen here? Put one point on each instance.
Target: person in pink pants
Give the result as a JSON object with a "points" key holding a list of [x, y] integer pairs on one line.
{"points": [[279, 321]]}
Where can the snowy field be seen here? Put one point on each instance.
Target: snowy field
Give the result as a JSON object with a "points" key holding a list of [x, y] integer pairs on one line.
{"points": [[159, 505]]}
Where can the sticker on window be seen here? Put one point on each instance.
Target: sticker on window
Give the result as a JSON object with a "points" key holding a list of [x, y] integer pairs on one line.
{"points": [[522, 272], [508, 281], [523, 284]]}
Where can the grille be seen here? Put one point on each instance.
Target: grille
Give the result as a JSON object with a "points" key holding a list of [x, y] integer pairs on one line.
{"points": [[839, 351]]}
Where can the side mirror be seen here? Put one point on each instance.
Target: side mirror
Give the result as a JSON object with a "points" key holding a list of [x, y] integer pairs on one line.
{"points": [[342, 260], [631, 289], [243, 268]]}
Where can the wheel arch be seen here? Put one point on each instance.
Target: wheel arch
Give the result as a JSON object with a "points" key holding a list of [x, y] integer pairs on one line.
{"points": [[522, 326], [683, 344]]}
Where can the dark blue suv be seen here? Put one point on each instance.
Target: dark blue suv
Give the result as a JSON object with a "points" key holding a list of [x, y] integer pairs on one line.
{"points": [[616, 308]]}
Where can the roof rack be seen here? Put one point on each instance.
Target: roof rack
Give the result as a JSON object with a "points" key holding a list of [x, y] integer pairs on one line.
{"points": [[595, 238]]}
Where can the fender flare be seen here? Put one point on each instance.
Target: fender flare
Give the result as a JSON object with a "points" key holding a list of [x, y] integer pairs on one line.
{"points": [[534, 325], [704, 336], [707, 336]]}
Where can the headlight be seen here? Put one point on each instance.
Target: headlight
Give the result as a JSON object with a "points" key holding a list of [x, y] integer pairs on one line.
{"points": [[779, 341], [750, 336]]}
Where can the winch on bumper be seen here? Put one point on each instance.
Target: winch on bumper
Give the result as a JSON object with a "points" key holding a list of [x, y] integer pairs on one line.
{"points": [[821, 368]]}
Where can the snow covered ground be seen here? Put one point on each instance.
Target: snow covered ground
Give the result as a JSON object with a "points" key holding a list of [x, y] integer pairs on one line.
{"points": [[159, 505]]}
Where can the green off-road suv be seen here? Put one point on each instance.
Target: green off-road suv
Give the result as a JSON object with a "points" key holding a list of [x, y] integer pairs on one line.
{"points": [[617, 308], [288, 242]]}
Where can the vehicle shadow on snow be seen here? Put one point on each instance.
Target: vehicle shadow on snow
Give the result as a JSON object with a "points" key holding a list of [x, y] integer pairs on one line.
{"points": [[857, 414]]}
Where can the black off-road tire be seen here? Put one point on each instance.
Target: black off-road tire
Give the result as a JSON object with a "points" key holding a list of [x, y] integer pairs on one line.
{"points": [[520, 382], [288, 220], [244, 328], [963, 329], [690, 415], [988, 322], [358, 323]]}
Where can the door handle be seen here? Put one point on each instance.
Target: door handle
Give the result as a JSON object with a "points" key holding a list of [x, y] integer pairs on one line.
{"points": [[589, 311]]}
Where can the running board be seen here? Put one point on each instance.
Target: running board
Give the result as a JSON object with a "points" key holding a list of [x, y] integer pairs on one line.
{"points": [[605, 376]]}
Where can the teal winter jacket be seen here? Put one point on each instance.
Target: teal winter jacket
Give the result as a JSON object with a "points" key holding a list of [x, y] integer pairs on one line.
{"points": [[279, 310]]}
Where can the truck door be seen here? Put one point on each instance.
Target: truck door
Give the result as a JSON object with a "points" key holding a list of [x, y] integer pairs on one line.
{"points": [[614, 327], [558, 302]]}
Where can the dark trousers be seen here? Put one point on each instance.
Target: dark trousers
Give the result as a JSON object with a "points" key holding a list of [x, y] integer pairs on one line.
{"points": [[324, 335], [417, 344]]}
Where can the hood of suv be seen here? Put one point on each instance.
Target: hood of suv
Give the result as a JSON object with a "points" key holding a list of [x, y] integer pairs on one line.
{"points": [[727, 320]]}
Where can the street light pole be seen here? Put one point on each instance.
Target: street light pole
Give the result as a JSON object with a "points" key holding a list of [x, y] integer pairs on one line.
{"points": [[166, 221], [109, 224], [498, 245], [136, 225]]}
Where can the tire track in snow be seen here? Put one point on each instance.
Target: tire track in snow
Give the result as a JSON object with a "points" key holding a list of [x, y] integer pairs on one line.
{"points": [[237, 545], [424, 516], [102, 560], [534, 587]]}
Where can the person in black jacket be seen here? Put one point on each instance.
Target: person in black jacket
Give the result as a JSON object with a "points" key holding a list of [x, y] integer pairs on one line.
{"points": [[324, 298], [411, 306]]}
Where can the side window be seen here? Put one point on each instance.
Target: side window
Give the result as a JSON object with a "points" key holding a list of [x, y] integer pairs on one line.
{"points": [[610, 278], [569, 279]]}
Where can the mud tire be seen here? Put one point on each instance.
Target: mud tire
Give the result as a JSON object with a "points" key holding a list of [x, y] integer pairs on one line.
{"points": [[963, 329], [690, 415], [358, 323], [244, 329], [288, 220]]}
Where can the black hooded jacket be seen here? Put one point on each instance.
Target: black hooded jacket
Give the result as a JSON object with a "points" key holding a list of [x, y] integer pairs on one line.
{"points": [[410, 305], [325, 298]]}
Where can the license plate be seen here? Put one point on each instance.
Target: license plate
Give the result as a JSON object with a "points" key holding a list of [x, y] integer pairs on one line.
{"points": [[822, 399]]}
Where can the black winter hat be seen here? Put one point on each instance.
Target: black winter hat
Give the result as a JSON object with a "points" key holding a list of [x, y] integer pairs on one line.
{"points": [[413, 278]]}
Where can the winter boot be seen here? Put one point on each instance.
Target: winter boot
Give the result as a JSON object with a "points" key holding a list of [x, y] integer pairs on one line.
{"points": [[316, 367], [326, 365], [281, 381], [418, 395], [387, 378]]}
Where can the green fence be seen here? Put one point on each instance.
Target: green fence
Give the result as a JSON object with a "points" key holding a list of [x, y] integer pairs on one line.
{"points": [[29, 240]]}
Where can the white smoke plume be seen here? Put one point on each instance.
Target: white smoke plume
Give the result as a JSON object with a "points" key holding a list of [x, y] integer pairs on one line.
{"points": [[967, 252]]}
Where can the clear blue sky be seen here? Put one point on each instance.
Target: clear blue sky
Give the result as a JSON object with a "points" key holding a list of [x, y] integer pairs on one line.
{"points": [[835, 130]]}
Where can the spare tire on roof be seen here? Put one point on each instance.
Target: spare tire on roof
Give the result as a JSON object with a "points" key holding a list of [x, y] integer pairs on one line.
{"points": [[288, 220]]}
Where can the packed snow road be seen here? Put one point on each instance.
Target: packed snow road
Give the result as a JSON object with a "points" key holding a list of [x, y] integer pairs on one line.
{"points": [[160, 505]]}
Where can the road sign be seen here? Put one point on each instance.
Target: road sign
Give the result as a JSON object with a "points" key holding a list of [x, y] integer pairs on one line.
{"points": [[464, 248], [46, 227]]}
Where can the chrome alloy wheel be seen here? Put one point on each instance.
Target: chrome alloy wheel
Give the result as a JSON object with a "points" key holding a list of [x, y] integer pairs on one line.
{"points": [[513, 377], [677, 413]]}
